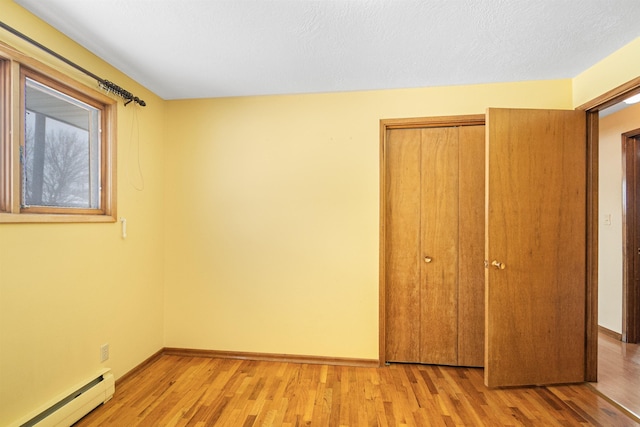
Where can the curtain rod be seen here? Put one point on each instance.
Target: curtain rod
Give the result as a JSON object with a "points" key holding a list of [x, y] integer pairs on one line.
{"points": [[104, 84]]}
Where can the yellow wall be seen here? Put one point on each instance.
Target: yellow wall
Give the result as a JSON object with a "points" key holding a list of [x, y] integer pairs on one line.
{"points": [[256, 230], [66, 289], [273, 214], [615, 70]]}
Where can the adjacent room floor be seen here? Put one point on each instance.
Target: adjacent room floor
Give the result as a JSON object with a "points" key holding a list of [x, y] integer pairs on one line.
{"points": [[619, 373]]}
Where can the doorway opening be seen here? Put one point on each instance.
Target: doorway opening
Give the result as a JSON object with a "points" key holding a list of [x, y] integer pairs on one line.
{"points": [[606, 180], [593, 108]]}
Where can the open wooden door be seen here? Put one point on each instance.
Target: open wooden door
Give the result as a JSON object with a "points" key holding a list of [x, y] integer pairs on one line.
{"points": [[535, 246]]}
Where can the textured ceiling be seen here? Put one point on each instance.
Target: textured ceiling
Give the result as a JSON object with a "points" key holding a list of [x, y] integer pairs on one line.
{"points": [[216, 48]]}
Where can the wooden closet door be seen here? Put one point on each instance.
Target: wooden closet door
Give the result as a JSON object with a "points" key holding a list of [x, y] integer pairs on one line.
{"points": [[403, 254], [439, 247], [434, 245], [471, 179]]}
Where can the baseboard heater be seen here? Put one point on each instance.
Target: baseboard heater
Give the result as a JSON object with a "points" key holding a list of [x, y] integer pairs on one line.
{"points": [[74, 404]]}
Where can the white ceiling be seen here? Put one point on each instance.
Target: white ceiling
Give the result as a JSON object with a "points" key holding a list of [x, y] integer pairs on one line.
{"points": [[217, 48]]}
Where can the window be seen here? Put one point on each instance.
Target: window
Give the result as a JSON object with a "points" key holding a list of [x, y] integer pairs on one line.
{"points": [[57, 150], [61, 151]]}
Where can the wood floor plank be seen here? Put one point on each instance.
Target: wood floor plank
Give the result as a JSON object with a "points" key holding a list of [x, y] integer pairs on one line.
{"points": [[195, 391]]}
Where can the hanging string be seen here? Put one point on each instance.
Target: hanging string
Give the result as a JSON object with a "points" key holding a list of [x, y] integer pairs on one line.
{"points": [[134, 145], [106, 85]]}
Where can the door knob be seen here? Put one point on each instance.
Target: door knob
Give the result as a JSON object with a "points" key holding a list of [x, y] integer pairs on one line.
{"points": [[498, 265], [427, 259]]}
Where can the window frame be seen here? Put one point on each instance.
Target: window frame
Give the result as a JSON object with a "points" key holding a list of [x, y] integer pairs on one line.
{"points": [[14, 70]]}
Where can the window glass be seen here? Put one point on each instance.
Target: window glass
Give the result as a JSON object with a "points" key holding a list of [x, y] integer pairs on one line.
{"points": [[61, 153]]}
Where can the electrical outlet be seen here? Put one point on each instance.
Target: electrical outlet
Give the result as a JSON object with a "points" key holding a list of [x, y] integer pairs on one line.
{"points": [[104, 352]]}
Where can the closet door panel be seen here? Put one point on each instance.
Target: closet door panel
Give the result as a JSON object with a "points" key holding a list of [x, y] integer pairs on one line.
{"points": [[471, 249], [439, 277], [403, 254]]}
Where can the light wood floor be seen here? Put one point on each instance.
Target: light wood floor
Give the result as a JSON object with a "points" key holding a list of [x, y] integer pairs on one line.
{"points": [[179, 391], [619, 372]]}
